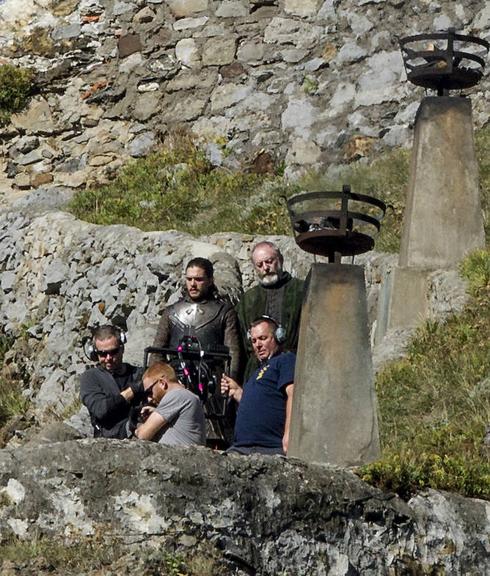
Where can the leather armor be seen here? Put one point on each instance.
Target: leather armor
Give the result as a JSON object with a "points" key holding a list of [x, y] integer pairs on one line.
{"points": [[204, 320]]}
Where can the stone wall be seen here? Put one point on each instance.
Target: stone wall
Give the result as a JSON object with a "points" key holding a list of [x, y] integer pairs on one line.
{"points": [[308, 82]]}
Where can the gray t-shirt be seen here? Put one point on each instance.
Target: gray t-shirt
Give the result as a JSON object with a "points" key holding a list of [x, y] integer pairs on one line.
{"points": [[183, 412]]}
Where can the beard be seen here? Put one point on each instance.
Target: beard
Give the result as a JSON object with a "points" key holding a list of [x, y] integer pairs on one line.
{"points": [[269, 279]]}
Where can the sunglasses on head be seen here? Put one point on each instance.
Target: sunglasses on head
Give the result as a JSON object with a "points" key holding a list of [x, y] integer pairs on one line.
{"points": [[105, 353]]}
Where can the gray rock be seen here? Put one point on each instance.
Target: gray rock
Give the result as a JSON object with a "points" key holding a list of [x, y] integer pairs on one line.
{"points": [[123, 8], [359, 23], [81, 487], [44, 199], [350, 52], [252, 51], [219, 51], [142, 144], [302, 8], [7, 280], [66, 32], [190, 23], [299, 116], [289, 31], [183, 8], [81, 423], [228, 94], [146, 106], [104, 55], [381, 82], [231, 9], [55, 432], [37, 119], [187, 53], [26, 144], [30, 158]]}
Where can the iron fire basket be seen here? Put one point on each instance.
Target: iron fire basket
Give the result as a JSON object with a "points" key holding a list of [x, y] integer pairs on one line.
{"points": [[444, 61], [335, 224]]}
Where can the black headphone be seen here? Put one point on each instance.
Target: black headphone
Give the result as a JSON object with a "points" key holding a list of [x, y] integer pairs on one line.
{"points": [[89, 346], [279, 331]]}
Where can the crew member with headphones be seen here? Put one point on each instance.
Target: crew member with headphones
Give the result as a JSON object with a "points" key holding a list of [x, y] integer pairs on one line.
{"points": [[112, 386], [265, 402]]}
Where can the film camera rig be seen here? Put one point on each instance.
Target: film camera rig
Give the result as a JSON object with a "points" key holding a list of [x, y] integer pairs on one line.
{"points": [[200, 371]]}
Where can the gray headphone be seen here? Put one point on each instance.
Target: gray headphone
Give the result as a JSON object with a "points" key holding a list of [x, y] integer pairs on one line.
{"points": [[91, 350], [279, 332]]}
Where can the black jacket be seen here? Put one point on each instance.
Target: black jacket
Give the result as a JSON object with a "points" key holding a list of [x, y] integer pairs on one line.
{"points": [[100, 391]]}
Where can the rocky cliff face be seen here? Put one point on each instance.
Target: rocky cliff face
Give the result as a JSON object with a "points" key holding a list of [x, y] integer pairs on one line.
{"points": [[267, 515], [308, 81]]}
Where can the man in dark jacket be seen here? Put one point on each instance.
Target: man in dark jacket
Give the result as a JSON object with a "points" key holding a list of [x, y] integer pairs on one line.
{"points": [[203, 314], [277, 295], [110, 388]]}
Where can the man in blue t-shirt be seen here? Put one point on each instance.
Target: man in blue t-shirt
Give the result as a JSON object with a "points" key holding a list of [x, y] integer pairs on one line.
{"points": [[265, 402]]}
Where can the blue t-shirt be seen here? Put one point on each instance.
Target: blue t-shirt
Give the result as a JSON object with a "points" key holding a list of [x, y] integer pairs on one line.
{"points": [[262, 410]]}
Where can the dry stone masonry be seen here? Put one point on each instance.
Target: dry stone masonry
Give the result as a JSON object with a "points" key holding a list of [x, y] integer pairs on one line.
{"points": [[309, 81]]}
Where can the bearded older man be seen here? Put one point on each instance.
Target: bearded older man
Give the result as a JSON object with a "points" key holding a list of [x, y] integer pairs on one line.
{"points": [[277, 295]]}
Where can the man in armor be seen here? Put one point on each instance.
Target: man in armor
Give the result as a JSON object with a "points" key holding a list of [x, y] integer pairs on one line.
{"points": [[208, 318], [277, 295]]}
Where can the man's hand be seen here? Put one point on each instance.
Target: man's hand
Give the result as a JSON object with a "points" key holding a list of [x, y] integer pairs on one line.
{"points": [[134, 391], [231, 388], [146, 411], [127, 394]]}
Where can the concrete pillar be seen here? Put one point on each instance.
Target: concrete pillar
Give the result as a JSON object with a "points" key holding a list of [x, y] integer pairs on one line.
{"points": [[403, 301], [334, 418], [443, 219]]}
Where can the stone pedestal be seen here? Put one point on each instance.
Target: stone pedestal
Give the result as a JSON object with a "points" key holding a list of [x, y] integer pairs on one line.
{"points": [[334, 417], [443, 219]]}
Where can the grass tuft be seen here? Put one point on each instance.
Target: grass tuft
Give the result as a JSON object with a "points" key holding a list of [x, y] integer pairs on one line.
{"points": [[95, 555], [15, 89], [12, 401]]}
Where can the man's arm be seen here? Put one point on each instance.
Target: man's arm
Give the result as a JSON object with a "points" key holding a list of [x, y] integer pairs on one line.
{"points": [[289, 389], [99, 402], [149, 429], [162, 337]]}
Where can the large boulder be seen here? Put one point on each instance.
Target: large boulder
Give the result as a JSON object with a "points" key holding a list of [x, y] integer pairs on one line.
{"points": [[273, 515]]}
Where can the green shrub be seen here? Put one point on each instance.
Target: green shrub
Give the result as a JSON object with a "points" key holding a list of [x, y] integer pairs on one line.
{"points": [[435, 404], [15, 88], [12, 401], [476, 269]]}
